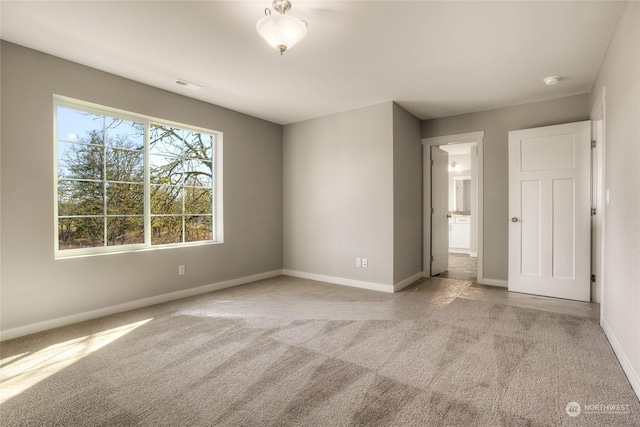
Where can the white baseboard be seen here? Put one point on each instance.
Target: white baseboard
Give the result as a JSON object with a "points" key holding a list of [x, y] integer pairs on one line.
{"points": [[632, 376], [132, 305], [492, 282], [340, 281], [406, 282], [459, 251]]}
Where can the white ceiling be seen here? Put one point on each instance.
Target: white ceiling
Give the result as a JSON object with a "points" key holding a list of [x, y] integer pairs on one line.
{"points": [[434, 58]]}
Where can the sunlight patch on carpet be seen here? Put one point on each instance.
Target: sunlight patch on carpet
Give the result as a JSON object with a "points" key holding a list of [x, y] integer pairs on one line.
{"points": [[313, 309], [20, 372]]}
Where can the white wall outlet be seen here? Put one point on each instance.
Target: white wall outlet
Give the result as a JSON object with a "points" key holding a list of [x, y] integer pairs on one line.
{"points": [[182, 270], [358, 262], [365, 263]]}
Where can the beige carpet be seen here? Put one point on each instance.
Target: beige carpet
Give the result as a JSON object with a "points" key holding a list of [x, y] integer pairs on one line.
{"points": [[239, 359]]}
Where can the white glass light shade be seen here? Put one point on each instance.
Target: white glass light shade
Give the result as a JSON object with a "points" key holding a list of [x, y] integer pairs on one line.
{"points": [[281, 30]]}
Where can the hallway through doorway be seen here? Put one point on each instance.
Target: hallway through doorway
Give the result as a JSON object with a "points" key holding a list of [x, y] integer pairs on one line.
{"points": [[461, 267]]}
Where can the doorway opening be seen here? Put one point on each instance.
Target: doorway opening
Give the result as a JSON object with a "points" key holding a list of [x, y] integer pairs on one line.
{"points": [[453, 237], [462, 168]]}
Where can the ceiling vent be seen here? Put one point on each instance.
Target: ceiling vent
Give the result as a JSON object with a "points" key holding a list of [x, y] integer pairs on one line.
{"points": [[188, 85]]}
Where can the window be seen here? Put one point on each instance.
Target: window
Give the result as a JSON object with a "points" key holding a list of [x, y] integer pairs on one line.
{"points": [[127, 182]]}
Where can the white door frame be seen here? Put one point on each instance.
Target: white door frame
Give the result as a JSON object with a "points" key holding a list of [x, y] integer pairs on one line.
{"points": [[598, 118], [477, 137]]}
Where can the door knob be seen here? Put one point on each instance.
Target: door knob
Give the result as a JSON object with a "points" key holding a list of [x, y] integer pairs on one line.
{"points": [[448, 216], [514, 219]]}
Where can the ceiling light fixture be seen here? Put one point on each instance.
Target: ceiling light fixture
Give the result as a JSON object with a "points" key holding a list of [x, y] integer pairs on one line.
{"points": [[455, 167], [281, 31], [551, 80]]}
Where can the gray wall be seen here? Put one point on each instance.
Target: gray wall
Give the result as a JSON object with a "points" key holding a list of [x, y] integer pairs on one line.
{"points": [[407, 195], [620, 73], [352, 189], [37, 288], [496, 124], [338, 195]]}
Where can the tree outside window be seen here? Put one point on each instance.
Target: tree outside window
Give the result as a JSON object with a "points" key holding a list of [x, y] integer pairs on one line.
{"points": [[124, 181]]}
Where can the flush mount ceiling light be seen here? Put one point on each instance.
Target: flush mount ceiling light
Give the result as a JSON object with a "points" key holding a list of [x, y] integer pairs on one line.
{"points": [[455, 167], [281, 31], [551, 80]]}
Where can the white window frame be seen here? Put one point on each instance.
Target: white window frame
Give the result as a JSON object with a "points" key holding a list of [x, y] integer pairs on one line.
{"points": [[217, 213]]}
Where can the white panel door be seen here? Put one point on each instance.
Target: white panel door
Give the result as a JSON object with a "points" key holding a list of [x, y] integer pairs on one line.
{"points": [[439, 210], [550, 211]]}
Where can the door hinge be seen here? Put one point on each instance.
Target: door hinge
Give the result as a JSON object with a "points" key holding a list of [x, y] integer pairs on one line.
{"points": [[593, 143], [593, 278], [593, 211], [432, 211], [431, 258], [432, 163]]}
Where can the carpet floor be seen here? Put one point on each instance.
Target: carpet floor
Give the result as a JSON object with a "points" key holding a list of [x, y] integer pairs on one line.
{"points": [[292, 352]]}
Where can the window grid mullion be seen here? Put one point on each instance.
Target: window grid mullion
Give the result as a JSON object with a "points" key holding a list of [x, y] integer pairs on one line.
{"points": [[184, 196], [214, 190], [104, 180], [147, 184]]}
